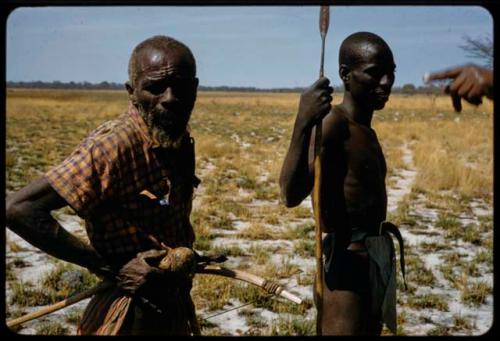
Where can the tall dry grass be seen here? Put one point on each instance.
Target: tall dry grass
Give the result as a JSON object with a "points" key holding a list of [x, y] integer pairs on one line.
{"points": [[450, 151], [448, 154], [240, 130]]}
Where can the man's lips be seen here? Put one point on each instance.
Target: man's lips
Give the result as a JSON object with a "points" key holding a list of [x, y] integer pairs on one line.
{"points": [[170, 120], [382, 95], [164, 117]]}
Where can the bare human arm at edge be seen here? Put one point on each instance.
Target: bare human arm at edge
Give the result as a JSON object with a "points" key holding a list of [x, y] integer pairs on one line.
{"points": [[470, 82], [28, 215]]}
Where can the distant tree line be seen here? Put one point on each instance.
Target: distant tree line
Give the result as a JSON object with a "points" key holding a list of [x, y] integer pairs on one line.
{"points": [[121, 86], [66, 85], [407, 89]]}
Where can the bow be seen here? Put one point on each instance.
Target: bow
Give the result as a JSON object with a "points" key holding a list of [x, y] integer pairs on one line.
{"points": [[269, 286]]}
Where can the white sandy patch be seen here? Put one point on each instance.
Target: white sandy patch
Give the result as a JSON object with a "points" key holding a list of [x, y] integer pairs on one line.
{"points": [[403, 181], [420, 322], [481, 209], [72, 223], [231, 322]]}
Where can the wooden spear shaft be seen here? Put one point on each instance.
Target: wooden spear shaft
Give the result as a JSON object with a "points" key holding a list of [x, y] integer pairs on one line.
{"points": [[324, 21]]}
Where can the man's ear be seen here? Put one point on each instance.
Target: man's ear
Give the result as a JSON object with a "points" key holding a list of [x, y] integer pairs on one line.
{"points": [[129, 88], [344, 72], [345, 75], [130, 91]]}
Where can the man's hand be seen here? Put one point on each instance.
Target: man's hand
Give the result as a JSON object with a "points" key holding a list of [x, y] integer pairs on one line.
{"points": [[141, 272], [102, 271], [470, 82], [315, 103]]}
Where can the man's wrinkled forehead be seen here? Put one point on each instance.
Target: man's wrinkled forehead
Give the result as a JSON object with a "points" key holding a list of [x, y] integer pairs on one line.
{"points": [[168, 61]]}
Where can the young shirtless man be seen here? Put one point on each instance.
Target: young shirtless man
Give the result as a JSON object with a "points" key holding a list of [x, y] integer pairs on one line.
{"points": [[353, 194]]}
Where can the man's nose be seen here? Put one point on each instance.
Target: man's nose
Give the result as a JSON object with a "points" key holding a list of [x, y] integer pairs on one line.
{"points": [[387, 80], [168, 97]]}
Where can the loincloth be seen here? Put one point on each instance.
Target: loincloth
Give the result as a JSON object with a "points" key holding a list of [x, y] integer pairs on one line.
{"points": [[110, 312], [370, 272]]}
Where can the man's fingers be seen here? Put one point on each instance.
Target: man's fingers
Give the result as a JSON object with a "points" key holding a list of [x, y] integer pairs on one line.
{"points": [[458, 83], [325, 109], [445, 74], [475, 100], [451, 89], [465, 89], [475, 95], [457, 103], [321, 83], [326, 98]]}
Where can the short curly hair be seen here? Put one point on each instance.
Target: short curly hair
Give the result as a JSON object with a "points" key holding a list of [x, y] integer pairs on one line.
{"points": [[158, 42]]}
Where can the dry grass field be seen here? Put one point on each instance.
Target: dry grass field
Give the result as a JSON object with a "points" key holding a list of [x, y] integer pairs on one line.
{"points": [[440, 184]]}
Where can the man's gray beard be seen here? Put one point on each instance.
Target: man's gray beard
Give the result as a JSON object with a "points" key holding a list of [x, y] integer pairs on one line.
{"points": [[159, 134]]}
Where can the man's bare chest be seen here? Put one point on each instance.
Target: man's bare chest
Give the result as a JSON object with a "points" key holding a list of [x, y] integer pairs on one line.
{"points": [[364, 154]]}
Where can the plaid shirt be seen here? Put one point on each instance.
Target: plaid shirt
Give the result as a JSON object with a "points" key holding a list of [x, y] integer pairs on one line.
{"points": [[127, 187]]}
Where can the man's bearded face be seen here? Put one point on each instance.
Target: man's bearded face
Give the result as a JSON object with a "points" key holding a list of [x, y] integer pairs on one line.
{"points": [[164, 93]]}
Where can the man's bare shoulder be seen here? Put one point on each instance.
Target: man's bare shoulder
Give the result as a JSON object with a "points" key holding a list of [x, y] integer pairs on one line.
{"points": [[336, 125]]}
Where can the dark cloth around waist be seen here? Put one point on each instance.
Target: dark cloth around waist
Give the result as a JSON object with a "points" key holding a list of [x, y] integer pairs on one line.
{"points": [[370, 272]]}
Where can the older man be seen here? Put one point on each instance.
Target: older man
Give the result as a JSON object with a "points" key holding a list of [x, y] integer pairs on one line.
{"points": [[131, 180], [353, 194]]}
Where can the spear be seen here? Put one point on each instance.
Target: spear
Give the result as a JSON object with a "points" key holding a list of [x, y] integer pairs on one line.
{"points": [[324, 21]]}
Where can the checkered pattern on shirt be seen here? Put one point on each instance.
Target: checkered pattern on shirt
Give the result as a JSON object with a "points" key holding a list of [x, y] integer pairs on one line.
{"points": [[104, 177]]}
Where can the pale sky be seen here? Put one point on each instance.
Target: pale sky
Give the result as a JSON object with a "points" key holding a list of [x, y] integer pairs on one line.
{"points": [[260, 46]]}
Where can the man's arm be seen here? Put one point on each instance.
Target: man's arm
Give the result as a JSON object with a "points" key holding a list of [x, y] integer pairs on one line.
{"points": [[470, 82], [334, 216], [28, 215], [296, 178]]}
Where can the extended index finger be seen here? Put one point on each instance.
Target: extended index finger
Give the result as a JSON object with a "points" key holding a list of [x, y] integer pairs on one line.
{"points": [[445, 74]]}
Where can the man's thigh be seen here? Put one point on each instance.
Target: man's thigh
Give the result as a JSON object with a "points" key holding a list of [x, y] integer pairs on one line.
{"points": [[346, 300], [342, 312]]}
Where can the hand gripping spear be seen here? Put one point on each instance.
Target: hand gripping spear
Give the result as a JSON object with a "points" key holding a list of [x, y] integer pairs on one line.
{"points": [[324, 21]]}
